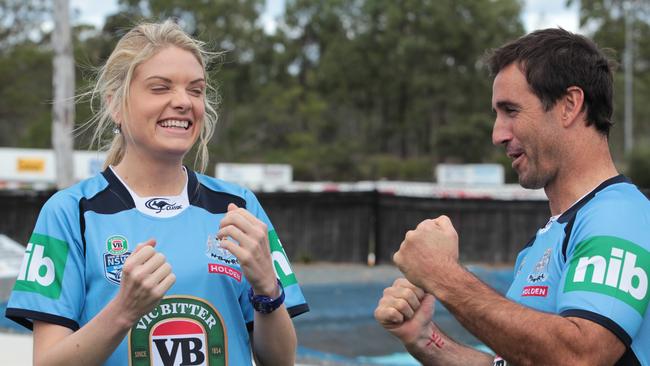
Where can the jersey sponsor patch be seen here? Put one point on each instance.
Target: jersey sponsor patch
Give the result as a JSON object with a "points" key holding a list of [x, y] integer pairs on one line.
{"points": [[280, 261], [117, 251], [43, 266], [180, 330], [159, 204], [224, 270], [613, 267], [116, 245], [537, 291]]}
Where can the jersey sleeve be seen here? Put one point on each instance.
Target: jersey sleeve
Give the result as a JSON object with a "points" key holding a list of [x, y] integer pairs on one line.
{"points": [[294, 299], [605, 278], [50, 284]]}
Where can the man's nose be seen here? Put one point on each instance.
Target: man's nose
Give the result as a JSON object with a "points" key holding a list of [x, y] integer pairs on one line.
{"points": [[501, 132]]}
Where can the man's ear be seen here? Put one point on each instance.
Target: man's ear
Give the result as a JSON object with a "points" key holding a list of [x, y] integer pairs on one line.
{"points": [[572, 106]]}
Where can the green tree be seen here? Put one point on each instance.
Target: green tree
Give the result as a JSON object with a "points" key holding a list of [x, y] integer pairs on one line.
{"points": [[398, 77], [607, 20]]}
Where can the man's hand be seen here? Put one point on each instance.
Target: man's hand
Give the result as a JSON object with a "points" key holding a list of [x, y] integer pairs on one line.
{"points": [[427, 251], [146, 277], [405, 311], [251, 248]]}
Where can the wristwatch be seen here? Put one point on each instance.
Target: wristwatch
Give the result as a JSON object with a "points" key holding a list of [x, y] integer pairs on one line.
{"points": [[265, 304]]}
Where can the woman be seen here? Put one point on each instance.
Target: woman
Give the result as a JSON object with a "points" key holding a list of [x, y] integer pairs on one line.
{"points": [[203, 271]]}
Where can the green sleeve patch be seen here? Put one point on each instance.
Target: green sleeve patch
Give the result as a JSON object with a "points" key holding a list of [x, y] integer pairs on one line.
{"points": [[43, 266], [280, 261], [613, 267]]}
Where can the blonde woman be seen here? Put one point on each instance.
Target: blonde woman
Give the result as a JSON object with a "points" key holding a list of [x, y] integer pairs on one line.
{"points": [[149, 262]]}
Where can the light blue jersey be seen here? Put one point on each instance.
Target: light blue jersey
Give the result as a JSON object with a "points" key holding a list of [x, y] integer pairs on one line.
{"points": [[593, 262], [73, 266]]}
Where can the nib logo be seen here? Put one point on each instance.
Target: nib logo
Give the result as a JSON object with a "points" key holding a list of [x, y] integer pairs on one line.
{"points": [[613, 267], [42, 267]]}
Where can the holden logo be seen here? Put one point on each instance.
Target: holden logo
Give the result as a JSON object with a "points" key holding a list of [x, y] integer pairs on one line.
{"points": [[159, 204]]}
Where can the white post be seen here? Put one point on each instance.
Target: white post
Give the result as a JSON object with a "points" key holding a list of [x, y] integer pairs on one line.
{"points": [[628, 64], [63, 82]]}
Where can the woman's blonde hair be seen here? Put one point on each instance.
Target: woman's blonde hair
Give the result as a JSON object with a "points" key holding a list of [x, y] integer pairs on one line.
{"points": [[111, 88]]}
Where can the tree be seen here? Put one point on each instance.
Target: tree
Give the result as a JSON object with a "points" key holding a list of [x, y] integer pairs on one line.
{"points": [[607, 19], [21, 21], [398, 76]]}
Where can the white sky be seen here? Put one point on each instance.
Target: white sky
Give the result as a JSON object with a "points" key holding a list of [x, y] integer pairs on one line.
{"points": [[537, 13]]}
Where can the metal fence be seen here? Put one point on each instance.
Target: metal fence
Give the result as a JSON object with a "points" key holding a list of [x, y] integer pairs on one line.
{"points": [[347, 226]]}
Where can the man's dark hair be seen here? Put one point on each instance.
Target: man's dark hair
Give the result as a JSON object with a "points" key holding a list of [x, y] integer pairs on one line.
{"points": [[554, 60]]}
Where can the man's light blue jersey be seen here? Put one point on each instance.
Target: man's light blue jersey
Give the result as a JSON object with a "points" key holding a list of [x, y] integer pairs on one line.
{"points": [[74, 258], [593, 262]]}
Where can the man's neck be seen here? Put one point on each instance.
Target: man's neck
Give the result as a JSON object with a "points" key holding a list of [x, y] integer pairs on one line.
{"points": [[578, 178]]}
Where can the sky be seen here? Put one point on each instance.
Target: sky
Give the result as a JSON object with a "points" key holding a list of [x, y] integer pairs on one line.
{"points": [[537, 13]]}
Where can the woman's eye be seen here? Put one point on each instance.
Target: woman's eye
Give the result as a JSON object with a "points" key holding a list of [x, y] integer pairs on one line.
{"points": [[197, 92]]}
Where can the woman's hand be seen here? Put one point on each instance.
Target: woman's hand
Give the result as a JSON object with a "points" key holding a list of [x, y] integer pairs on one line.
{"points": [[146, 277], [252, 251]]}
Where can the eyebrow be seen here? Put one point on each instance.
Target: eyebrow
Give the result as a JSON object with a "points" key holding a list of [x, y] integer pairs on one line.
{"points": [[504, 103], [170, 81]]}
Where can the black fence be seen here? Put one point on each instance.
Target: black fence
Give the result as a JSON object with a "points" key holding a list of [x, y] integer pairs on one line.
{"points": [[347, 226]]}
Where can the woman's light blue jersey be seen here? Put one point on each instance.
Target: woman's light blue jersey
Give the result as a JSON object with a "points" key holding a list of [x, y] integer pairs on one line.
{"points": [[83, 235]]}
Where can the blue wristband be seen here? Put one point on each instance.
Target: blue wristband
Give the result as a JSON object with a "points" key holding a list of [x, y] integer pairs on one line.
{"points": [[265, 304]]}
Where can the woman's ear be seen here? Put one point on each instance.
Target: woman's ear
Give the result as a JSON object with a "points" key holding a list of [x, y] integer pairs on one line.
{"points": [[115, 113]]}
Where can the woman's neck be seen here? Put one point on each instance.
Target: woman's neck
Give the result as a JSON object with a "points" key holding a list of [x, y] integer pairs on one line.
{"points": [[152, 178]]}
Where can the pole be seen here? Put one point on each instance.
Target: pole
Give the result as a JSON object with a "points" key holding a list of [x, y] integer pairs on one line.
{"points": [[628, 64], [63, 82]]}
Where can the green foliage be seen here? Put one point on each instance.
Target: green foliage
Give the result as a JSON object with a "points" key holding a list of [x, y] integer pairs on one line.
{"points": [[607, 17], [639, 165], [25, 96], [21, 21]]}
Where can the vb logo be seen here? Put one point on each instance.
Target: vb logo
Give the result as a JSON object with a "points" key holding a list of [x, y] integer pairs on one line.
{"points": [[613, 267], [42, 268]]}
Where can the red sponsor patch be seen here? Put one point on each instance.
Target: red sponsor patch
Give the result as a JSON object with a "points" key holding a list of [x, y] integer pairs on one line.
{"points": [[540, 291], [221, 269]]}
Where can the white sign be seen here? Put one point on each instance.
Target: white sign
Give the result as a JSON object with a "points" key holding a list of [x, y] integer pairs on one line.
{"points": [[470, 174], [255, 175], [39, 165]]}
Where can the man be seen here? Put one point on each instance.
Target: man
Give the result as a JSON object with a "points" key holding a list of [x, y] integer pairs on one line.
{"points": [[580, 293]]}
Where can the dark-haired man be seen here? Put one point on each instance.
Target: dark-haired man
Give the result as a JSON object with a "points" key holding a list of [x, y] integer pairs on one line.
{"points": [[580, 292]]}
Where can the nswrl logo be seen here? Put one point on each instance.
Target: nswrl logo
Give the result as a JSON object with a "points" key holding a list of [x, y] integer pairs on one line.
{"points": [[611, 266], [42, 268]]}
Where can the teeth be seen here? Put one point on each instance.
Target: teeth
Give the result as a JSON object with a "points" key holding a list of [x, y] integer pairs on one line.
{"points": [[175, 123]]}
